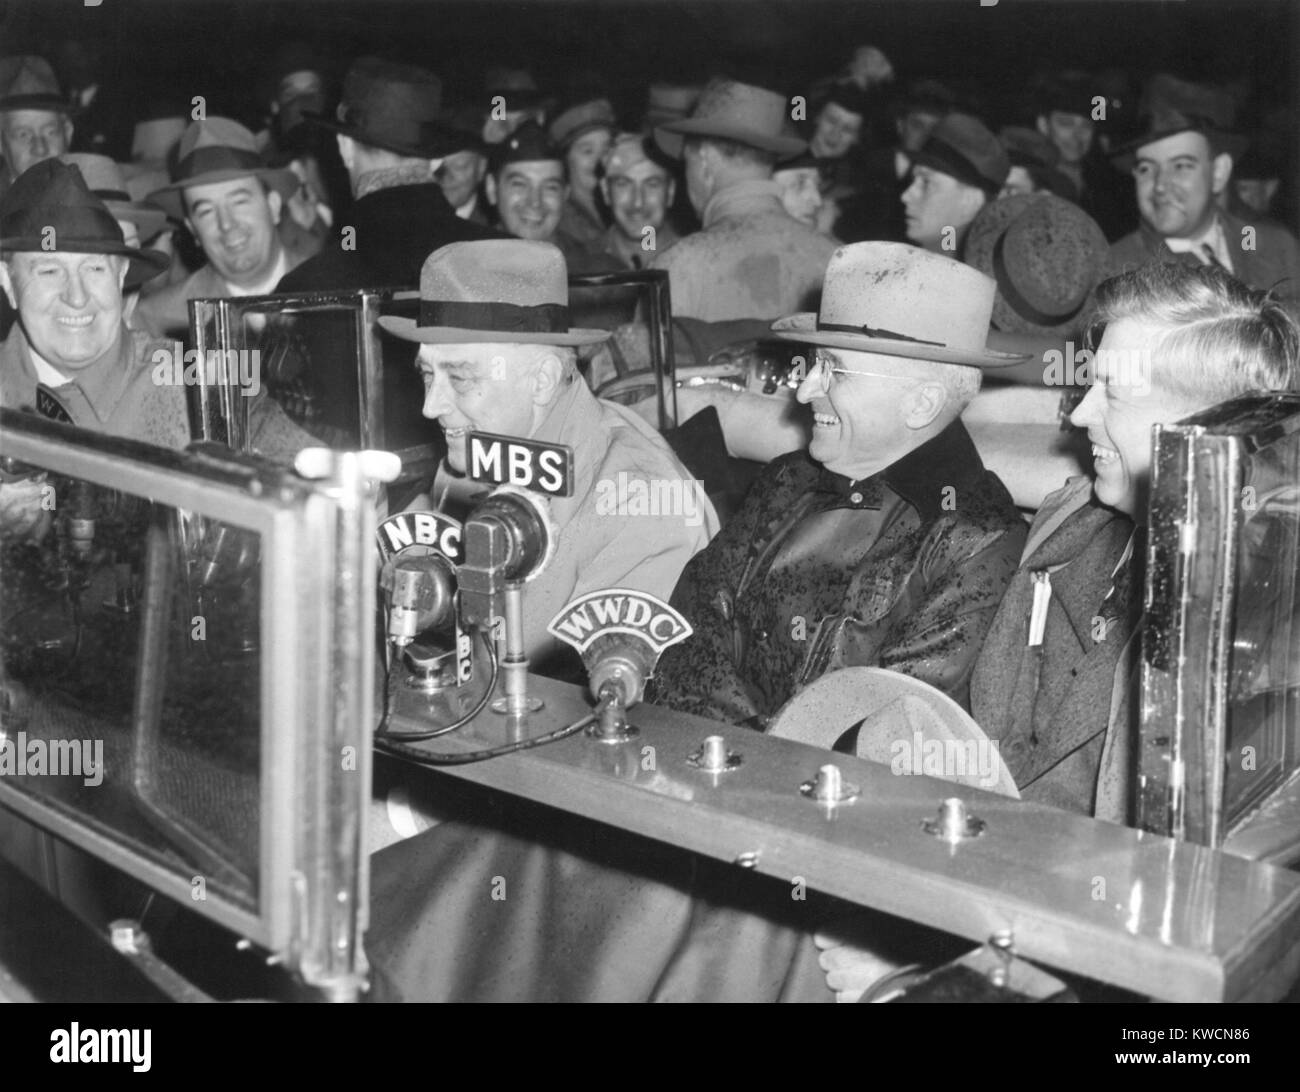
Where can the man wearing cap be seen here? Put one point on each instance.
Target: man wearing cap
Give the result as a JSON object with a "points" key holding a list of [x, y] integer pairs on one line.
{"points": [[1180, 163], [583, 134], [639, 191], [34, 120], [232, 202], [846, 554], [527, 184], [752, 259], [497, 355], [959, 169]]}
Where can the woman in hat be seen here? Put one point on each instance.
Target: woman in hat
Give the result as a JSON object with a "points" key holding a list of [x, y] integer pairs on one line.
{"points": [[583, 134]]}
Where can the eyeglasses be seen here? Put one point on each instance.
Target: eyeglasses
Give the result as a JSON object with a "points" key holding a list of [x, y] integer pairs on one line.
{"points": [[826, 369]]}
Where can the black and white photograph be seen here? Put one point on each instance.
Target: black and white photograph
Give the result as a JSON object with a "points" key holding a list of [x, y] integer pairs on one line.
{"points": [[706, 501]]}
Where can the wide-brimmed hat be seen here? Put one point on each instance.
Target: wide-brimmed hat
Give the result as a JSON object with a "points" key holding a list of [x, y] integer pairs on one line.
{"points": [[397, 107], [107, 182], [29, 83], [508, 290], [901, 301], [218, 150], [1046, 255], [50, 201], [962, 146], [1028, 148], [741, 112], [580, 119], [1171, 106]]}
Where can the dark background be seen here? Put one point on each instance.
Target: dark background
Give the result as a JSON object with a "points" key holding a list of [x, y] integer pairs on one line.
{"points": [[214, 47]]}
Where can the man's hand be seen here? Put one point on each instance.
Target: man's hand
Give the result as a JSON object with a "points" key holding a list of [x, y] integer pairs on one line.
{"points": [[851, 966], [24, 509]]}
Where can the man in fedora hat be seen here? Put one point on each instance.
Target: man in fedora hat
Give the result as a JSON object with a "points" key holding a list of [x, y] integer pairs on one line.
{"points": [[958, 170], [752, 259], [822, 568], [497, 355], [71, 337], [1181, 162], [393, 137], [845, 554], [35, 123], [233, 203]]}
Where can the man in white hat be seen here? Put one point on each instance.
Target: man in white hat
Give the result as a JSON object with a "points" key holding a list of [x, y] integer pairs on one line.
{"points": [[886, 544], [822, 567], [752, 259], [233, 203], [497, 355]]}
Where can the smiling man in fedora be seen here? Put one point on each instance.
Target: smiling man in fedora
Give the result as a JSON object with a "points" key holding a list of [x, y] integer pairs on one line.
{"points": [[752, 259], [887, 543], [233, 203], [497, 355], [1181, 161]]}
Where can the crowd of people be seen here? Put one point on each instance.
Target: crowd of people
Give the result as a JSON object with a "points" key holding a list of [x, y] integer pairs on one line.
{"points": [[913, 246]]}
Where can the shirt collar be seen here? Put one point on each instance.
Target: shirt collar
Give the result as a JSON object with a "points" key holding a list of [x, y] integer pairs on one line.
{"points": [[741, 198], [921, 477], [267, 286]]}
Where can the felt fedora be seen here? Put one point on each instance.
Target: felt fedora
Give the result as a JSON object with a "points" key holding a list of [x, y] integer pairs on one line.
{"points": [[900, 300], [961, 146], [50, 203], [29, 83], [218, 150], [106, 181], [397, 107], [1046, 255], [495, 290], [1028, 148], [1171, 106], [741, 112]]}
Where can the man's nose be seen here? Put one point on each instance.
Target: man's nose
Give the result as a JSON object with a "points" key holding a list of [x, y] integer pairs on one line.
{"points": [[224, 220], [812, 386], [1085, 413], [437, 396], [74, 290]]}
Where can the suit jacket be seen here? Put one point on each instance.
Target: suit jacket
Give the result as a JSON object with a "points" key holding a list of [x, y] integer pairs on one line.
{"points": [[1264, 255], [1063, 710], [903, 570]]}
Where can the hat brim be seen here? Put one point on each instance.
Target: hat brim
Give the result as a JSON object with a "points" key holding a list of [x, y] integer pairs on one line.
{"points": [[803, 328], [149, 222], [445, 142], [169, 197], [1124, 157], [52, 103], [143, 265], [672, 136], [410, 330]]}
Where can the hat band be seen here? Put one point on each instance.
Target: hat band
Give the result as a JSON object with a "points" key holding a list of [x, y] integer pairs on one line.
{"points": [[112, 195], [505, 318], [871, 331], [216, 158], [1018, 303], [947, 159]]}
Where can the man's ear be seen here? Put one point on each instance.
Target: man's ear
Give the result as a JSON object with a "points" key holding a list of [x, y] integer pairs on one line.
{"points": [[124, 264], [1222, 172], [1270, 189], [546, 380], [1043, 126], [7, 284], [276, 202], [347, 149], [671, 192], [490, 188], [925, 404], [480, 168], [67, 132]]}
